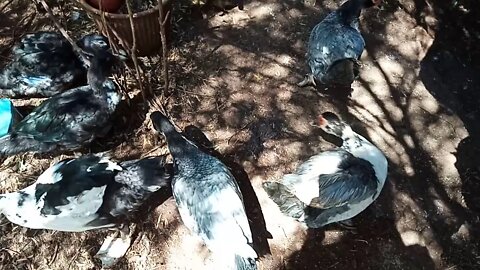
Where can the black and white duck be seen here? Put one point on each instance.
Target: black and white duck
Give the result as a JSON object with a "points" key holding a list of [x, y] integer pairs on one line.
{"points": [[334, 185], [72, 118], [44, 64], [208, 199], [335, 46], [87, 193]]}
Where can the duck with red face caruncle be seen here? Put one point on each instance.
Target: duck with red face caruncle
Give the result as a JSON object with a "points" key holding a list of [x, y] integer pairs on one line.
{"points": [[335, 185]]}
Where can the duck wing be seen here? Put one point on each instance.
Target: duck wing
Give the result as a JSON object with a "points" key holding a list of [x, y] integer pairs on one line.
{"points": [[44, 63], [330, 43], [69, 116], [214, 210], [75, 187], [354, 181], [138, 180], [41, 42]]}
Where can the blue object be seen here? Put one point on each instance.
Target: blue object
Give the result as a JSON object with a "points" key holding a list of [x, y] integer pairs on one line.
{"points": [[8, 116]]}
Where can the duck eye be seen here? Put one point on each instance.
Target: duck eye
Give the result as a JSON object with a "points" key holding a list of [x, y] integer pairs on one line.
{"points": [[101, 43]]}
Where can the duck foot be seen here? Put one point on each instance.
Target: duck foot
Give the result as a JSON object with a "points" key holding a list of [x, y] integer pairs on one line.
{"points": [[114, 247], [308, 80], [347, 224]]}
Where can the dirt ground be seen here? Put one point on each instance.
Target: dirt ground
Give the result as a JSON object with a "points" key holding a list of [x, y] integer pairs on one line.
{"points": [[234, 92]]}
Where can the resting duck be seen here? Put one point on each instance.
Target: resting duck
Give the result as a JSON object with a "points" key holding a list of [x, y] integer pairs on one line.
{"points": [[73, 118], [44, 64], [335, 46], [335, 185], [87, 193], [208, 199]]}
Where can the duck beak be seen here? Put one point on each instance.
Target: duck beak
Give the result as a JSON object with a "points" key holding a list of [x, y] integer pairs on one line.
{"points": [[121, 55]]}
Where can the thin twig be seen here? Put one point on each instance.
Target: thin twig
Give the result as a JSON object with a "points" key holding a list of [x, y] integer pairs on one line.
{"points": [[54, 256], [133, 51], [106, 25], [64, 33], [162, 21], [5, 6]]}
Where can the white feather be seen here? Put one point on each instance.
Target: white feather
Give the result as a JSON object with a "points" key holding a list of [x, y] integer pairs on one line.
{"points": [[112, 166], [360, 147], [73, 217], [230, 231], [37, 80], [304, 183], [51, 176]]}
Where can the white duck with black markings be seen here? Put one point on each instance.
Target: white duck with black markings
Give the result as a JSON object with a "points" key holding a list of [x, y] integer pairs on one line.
{"points": [[87, 193], [334, 185]]}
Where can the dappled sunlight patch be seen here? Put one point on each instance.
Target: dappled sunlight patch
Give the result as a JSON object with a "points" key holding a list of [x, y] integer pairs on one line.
{"points": [[413, 227], [333, 236], [411, 238], [236, 18], [187, 243], [291, 109], [410, 40], [263, 10], [275, 70], [392, 69]]}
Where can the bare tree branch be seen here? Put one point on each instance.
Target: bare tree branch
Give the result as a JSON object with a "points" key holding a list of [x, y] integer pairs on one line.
{"points": [[133, 51], [162, 21]]}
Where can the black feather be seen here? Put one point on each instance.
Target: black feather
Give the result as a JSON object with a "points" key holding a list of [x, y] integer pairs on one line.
{"points": [[69, 119], [44, 64], [353, 182], [77, 176], [134, 185], [334, 46]]}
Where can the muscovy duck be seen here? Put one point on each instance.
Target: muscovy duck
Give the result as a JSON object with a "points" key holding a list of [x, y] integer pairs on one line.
{"points": [[73, 118], [334, 185], [44, 64], [208, 198], [87, 193], [335, 46]]}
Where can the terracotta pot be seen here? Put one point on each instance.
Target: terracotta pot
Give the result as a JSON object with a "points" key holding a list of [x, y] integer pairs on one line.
{"points": [[147, 28], [107, 5]]}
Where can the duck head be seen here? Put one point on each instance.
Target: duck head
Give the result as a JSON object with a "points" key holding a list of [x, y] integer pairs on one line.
{"points": [[332, 124], [95, 45], [92, 43], [161, 123]]}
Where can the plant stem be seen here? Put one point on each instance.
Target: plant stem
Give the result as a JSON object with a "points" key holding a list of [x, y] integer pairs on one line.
{"points": [[133, 51], [162, 21]]}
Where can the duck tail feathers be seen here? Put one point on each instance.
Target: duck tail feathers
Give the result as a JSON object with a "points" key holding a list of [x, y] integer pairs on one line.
{"points": [[15, 144], [245, 257], [288, 203], [245, 263]]}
